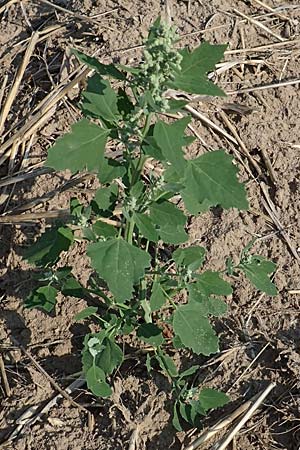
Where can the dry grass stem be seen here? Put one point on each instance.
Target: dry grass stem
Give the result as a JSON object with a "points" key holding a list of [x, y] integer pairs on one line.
{"points": [[262, 48], [42, 113], [49, 195], [271, 210], [24, 12], [14, 89], [260, 25], [49, 378], [17, 178], [44, 34], [60, 213], [226, 441], [294, 291], [2, 91], [268, 165], [253, 308], [210, 124], [194, 33], [134, 438], [7, 5], [221, 424], [232, 128], [249, 366], [223, 67], [76, 15], [30, 416], [4, 378], [265, 86], [23, 218], [272, 10]]}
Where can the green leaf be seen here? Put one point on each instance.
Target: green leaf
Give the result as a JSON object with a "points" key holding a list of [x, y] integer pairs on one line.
{"points": [[216, 307], [209, 283], [170, 139], [190, 411], [145, 226], [171, 222], [209, 305], [46, 250], [172, 178], [194, 329], [148, 363], [106, 197], [176, 105], [145, 304], [110, 357], [92, 346], [103, 69], [175, 420], [185, 411], [82, 149], [211, 399], [194, 67], [191, 257], [110, 170], [104, 229], [189, 372], [177, 342], [125, 106], [210, 180], [100, 352], [229, 266], [166, 364], [85, 313], [129, 69], [72, 287], [43, 297], [76, 208], [120, 264], [137, 190], [151, 334], [100, 100], [258, 270], [95, 381], [158, 297], [150, 146], [88, 234]]}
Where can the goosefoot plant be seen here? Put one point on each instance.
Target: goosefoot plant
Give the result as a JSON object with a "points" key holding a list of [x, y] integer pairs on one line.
{"points": [[144, 282]]}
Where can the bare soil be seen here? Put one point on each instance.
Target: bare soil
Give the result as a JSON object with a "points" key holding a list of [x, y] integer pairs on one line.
{"points": [[260, 336]]}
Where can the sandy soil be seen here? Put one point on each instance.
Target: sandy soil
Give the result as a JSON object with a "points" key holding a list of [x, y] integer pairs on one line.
{"points": [[260, 336]]}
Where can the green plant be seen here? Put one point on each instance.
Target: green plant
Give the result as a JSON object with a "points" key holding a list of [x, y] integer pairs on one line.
{"points": [[133, 225]]}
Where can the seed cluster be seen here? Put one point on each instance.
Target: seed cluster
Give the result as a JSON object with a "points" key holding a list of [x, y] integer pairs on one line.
{"points": [[161, 62]]}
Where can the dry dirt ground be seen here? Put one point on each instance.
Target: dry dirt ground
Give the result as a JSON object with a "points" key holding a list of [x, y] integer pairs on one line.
{"points": [[260, 336]]}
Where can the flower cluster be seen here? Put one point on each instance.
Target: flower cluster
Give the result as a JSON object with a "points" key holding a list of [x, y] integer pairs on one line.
{"points": [[161, 62]]}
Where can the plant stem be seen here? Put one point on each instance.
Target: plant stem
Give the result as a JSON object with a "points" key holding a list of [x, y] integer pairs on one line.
{"points": [[142, 159], [129, 230], [170, 299], [147, 125]]}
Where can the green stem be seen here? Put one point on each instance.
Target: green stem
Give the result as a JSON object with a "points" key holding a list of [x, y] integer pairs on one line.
{"points": [[147, 125], [170, 299], [100, 319], [129, 230], [142, 159]]}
